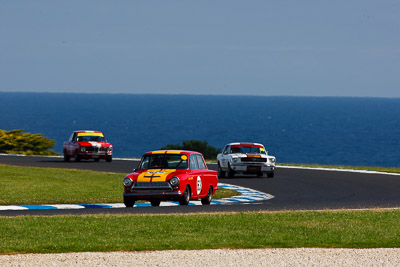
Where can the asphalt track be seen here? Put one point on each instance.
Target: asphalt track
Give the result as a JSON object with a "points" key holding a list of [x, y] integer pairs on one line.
{"points": [[294, 189]]}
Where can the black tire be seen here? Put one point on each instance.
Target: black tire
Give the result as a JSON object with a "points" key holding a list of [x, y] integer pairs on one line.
{"points": [[66, 157], [129, 203], [231, 172], [108, 158], [185, 198], [260, 174], [221, 173], [155, 203], [97, 160], [208, 198], [77, 157], [271, 174]]}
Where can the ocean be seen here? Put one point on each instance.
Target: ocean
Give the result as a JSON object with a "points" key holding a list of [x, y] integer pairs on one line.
{"points": [[312, 130]]}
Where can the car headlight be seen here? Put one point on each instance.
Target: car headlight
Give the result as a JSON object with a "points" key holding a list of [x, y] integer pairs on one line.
{"points": [[127, 181], [235, 160], [83, 149], [272, 160], [174, 181]]}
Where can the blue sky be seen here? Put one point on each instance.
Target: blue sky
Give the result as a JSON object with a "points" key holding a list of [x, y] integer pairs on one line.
{"points": [[225, 47]]}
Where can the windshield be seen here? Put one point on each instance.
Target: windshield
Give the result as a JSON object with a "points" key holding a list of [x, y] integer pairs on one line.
{"points": [[164, 161], [247, 150], [90, 138]]}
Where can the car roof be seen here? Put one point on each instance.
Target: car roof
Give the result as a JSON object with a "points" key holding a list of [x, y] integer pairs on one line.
{"points": [[86, 131], [172, 152], [244, 144]]}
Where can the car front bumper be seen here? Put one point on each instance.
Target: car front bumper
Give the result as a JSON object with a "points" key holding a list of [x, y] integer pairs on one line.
{"points": [[94, 155], [251, 168], [144, 195]]}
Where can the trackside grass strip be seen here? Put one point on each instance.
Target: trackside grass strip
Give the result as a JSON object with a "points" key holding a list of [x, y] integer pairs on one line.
{"points": [[329, 229], [31, 185]]}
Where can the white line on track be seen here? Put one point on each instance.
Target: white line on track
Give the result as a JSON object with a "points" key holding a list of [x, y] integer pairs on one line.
{"points": [[337, 170]]}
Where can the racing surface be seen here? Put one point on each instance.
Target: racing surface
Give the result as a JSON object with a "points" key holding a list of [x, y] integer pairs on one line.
{"points": [[294, 189]]}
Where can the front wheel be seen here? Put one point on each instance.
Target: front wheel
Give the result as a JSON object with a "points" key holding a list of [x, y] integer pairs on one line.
{"points": [[129, 203], [66, 157], [270, 174], [77, 157], [185, 198], [109, 158], [208, 198], [231, 172], [155, 203]]}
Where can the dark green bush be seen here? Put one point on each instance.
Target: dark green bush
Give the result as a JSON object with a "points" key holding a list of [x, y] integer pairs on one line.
{"points": [[17, 142], [208, 151]]}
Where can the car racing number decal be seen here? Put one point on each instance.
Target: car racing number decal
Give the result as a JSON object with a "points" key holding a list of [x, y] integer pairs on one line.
{"points": [[199, 185]]}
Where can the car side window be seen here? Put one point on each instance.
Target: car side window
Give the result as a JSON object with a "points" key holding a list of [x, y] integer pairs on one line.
{"points": [[226, 150], [71, 137], [201, 162], [193, 162], [74, 137], [145, 163]]}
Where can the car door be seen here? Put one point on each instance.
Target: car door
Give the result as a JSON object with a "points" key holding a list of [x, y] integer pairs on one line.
{"points": [[225, 157], [206, 177], [69, 144], [196, 173], [74, 144]]}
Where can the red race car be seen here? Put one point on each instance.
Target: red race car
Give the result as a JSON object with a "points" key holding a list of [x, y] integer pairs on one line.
{"points": [[170, 175], [87, 145]]}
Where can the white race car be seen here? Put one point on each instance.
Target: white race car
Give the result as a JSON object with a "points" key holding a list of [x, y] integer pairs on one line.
{"points": [[245, 158]]}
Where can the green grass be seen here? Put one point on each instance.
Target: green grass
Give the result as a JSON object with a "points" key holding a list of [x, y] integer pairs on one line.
{"points": [[378, 169], [31, 185], [329, 229]]}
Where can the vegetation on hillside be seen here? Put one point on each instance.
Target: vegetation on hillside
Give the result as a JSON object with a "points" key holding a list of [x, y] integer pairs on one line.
{"points": [[208, 151], [18, 142]]}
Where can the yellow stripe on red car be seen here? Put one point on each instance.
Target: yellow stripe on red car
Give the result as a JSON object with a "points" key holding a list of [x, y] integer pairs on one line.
{"points": [[154, 175], [166, 152], [90, 134]]}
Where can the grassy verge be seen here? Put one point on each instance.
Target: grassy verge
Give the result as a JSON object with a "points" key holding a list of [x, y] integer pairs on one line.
{"points": [[356, 229], [29, 185], [378, 169]]}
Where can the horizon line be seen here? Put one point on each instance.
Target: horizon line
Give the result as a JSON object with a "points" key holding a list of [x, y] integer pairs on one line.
{"points": [[198, 94]]}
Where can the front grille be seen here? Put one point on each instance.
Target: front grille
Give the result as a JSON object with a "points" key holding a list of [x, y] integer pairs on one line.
{"points": [[96, 149], [92, 149], [151, 186], [253, 159]]}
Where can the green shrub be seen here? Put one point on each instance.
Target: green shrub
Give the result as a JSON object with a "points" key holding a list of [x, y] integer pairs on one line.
{"points": [[17, 142], [208, 151]]}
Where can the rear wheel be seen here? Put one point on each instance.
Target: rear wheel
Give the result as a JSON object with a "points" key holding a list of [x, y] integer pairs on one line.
{"points": [[185, 198], [208, 198], [155, 203], [129, 203], [221, 173]]}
